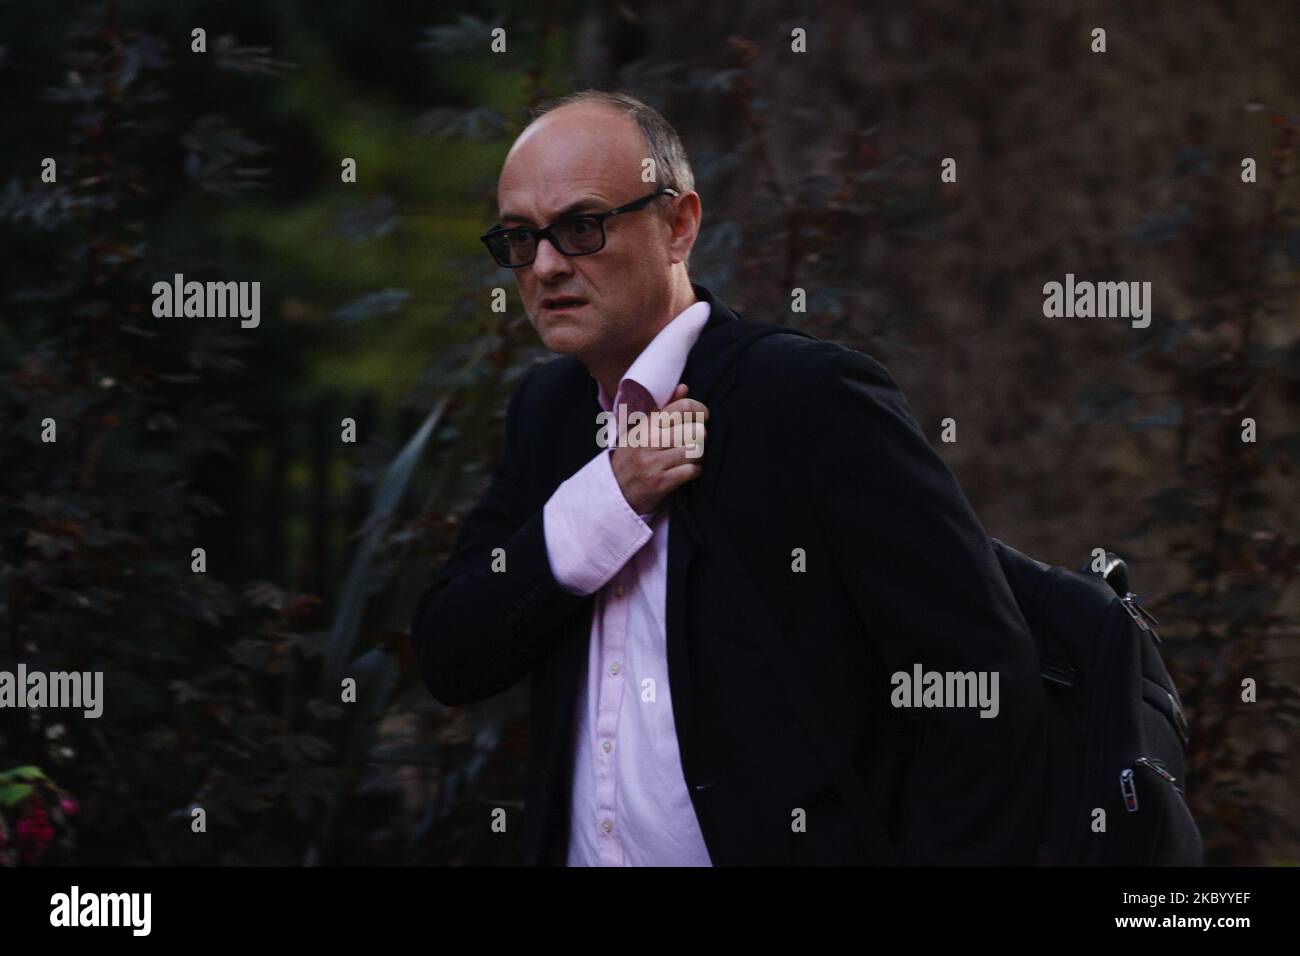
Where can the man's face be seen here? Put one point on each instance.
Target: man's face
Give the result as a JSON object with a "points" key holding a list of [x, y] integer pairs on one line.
{"points": [[587, 158]]}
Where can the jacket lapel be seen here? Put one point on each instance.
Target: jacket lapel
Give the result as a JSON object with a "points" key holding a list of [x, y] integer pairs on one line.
{"points": [[705, 383], [710, 374]]}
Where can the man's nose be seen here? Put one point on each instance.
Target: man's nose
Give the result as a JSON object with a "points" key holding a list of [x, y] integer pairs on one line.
{"points": [[549, 260]]}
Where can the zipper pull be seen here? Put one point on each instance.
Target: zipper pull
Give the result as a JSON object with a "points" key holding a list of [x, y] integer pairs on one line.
{"points": [[1152, 765], [1140, 615], [1129, 790], [1138, 619], [1145, 613]]}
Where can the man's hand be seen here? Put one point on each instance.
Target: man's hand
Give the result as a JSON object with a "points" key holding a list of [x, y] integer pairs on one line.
{"points": [[647, 475]]}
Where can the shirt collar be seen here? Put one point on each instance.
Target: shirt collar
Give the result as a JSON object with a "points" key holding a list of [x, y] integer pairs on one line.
{"points": [[658, 368]]}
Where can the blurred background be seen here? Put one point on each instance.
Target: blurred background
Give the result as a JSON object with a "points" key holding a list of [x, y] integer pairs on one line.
{"points": [[818, 171]]}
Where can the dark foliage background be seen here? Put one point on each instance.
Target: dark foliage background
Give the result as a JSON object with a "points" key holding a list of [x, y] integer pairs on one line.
{"points": [[817, 171]]}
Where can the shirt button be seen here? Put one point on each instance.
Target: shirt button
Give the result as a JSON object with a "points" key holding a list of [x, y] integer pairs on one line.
{"points": [[614, 668], [608, 745], [607, 824], [618, 591]]}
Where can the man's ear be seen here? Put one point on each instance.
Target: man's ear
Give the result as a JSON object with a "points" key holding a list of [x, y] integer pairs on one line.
{"points": [[685, 225]]}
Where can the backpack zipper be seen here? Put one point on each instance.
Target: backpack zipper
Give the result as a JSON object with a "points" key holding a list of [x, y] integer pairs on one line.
{"points": [[1153, 764], [1128, 786], [1128, 789]]}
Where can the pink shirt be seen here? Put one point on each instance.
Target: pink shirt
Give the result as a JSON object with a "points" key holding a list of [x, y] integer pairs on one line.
{"points": [[630, 803]]}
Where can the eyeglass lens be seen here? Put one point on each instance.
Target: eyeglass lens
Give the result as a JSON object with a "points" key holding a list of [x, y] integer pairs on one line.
{"points": [[575, 237]]}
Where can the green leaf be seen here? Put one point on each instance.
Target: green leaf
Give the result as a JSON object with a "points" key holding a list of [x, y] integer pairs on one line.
{"points": [[15, 793], [29, 772]]}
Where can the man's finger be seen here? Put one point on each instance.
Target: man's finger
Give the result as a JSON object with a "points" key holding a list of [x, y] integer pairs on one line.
{"points": [[678, 433], [690, 433], [698, 410], [680, 474]]}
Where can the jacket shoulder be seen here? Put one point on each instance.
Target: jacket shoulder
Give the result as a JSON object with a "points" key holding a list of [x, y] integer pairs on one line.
{"points": [[790, 360]]}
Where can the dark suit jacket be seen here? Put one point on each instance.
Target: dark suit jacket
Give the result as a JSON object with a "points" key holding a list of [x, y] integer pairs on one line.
{"points": [[810, 445]]}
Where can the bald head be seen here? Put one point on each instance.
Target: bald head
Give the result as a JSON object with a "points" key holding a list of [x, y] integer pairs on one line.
{"points": [[587, 148], [590, 154]]}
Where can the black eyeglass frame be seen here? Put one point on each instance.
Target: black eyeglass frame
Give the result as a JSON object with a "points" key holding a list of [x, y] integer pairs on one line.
{"points": [[540, 234]]}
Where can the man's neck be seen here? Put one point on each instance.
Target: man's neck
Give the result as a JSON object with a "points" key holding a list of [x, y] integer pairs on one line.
{"points": [[609, 373]]}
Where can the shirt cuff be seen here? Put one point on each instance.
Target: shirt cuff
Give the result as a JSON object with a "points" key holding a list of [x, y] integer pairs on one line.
{"points": [[591, 531]]}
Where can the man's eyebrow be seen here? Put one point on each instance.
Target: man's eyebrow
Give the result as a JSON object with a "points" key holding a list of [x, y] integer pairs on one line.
{"points": [[585, 204]]}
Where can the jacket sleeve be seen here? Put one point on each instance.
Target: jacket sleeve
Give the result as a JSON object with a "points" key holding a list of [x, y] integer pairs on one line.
{"points": [[477, 631], [929, 591]]}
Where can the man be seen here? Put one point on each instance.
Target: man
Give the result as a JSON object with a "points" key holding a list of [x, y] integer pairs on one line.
{"points": [[714, 628]]}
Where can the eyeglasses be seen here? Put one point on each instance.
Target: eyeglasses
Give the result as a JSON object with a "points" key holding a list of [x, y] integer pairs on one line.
{"points": [[516, 246]]}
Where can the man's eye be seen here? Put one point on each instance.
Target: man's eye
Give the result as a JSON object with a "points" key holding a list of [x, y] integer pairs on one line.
{"points": [[582, 227], [516, 238]]}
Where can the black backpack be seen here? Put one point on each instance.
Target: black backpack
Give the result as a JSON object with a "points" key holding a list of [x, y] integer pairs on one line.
{"points": [[1117, 734]]}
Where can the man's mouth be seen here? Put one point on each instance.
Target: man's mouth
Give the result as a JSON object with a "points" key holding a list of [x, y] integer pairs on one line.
{"points": [[557, 302]]}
